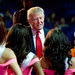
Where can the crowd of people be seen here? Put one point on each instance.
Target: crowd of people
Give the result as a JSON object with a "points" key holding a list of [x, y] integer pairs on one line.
{"points": [[29, 48]]}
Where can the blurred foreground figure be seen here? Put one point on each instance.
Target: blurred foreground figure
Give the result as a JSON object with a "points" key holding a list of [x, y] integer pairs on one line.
{"points": [[55, 53], [21, 15], [18, 39], [7, 55]]}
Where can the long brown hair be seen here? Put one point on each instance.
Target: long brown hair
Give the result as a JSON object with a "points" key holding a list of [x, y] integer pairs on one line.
{"points": [[3, 31]]}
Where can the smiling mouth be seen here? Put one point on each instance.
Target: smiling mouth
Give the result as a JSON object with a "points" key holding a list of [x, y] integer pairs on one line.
{"points": [[39, 25]]}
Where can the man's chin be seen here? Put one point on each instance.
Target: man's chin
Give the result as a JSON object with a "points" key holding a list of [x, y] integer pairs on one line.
{"points": [[40, 28]]}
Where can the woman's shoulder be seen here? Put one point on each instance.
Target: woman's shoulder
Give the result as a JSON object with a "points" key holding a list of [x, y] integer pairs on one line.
{"points": [[45, 64], [8, 54]]}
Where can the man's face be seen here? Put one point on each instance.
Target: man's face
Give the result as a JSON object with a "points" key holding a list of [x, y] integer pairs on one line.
{"points": [[36, 21]]}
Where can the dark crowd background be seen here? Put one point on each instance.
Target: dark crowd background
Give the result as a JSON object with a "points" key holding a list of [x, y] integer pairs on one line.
{"points": [[58, 13]]}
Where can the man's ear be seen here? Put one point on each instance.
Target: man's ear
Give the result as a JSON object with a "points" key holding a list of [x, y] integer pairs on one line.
{"points": [[29, 21]]}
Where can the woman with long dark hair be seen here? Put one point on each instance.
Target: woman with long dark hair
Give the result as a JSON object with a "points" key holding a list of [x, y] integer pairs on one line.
{"points": [[7, 56], [55, 52], [18, 39]]}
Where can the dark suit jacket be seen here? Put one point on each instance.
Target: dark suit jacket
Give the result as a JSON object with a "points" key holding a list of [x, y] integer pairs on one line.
{"points": [[32, 43]]}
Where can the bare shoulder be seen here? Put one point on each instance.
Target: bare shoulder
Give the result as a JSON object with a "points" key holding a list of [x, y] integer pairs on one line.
{"points": [[73, 60], [8, 54], [37, 67], [37, 63], [42, 60], [44, 63]]}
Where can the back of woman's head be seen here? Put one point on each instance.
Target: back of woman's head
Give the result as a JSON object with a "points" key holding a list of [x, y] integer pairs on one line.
{"points": [[3, 32], [18, 39], [56, 50]]}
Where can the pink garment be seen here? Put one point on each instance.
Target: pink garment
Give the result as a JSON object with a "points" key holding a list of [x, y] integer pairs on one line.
{"points": [[49, 72], [70, 72], [28, 69], [4, 67]]}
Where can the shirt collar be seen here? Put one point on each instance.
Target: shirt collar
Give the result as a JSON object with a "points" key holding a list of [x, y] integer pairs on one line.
{"points": [[34, 31]]}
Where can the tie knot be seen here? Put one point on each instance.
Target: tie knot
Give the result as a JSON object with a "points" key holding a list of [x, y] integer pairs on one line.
{"points": [[38, 32]]}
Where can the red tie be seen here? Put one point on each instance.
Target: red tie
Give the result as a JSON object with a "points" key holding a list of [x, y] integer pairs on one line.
{"points": [[38, 46]]}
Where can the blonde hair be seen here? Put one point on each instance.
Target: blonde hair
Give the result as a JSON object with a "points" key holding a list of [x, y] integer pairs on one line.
{"points": [[34, 10]]}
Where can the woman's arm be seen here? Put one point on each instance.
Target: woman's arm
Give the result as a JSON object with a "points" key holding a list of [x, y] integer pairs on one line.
{"points": [[8, 54], [72, 62], [15, 67], [37, 67]]}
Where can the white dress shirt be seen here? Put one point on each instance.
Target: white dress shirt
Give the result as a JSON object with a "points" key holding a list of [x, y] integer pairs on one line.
{"points": [[41, 35]]}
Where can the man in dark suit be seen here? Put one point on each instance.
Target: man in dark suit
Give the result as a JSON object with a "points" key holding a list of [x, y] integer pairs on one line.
{"points": [[35, 17]]}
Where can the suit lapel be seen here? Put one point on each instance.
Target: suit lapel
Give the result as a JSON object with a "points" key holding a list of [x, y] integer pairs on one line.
{"points": [[32, 43]]}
